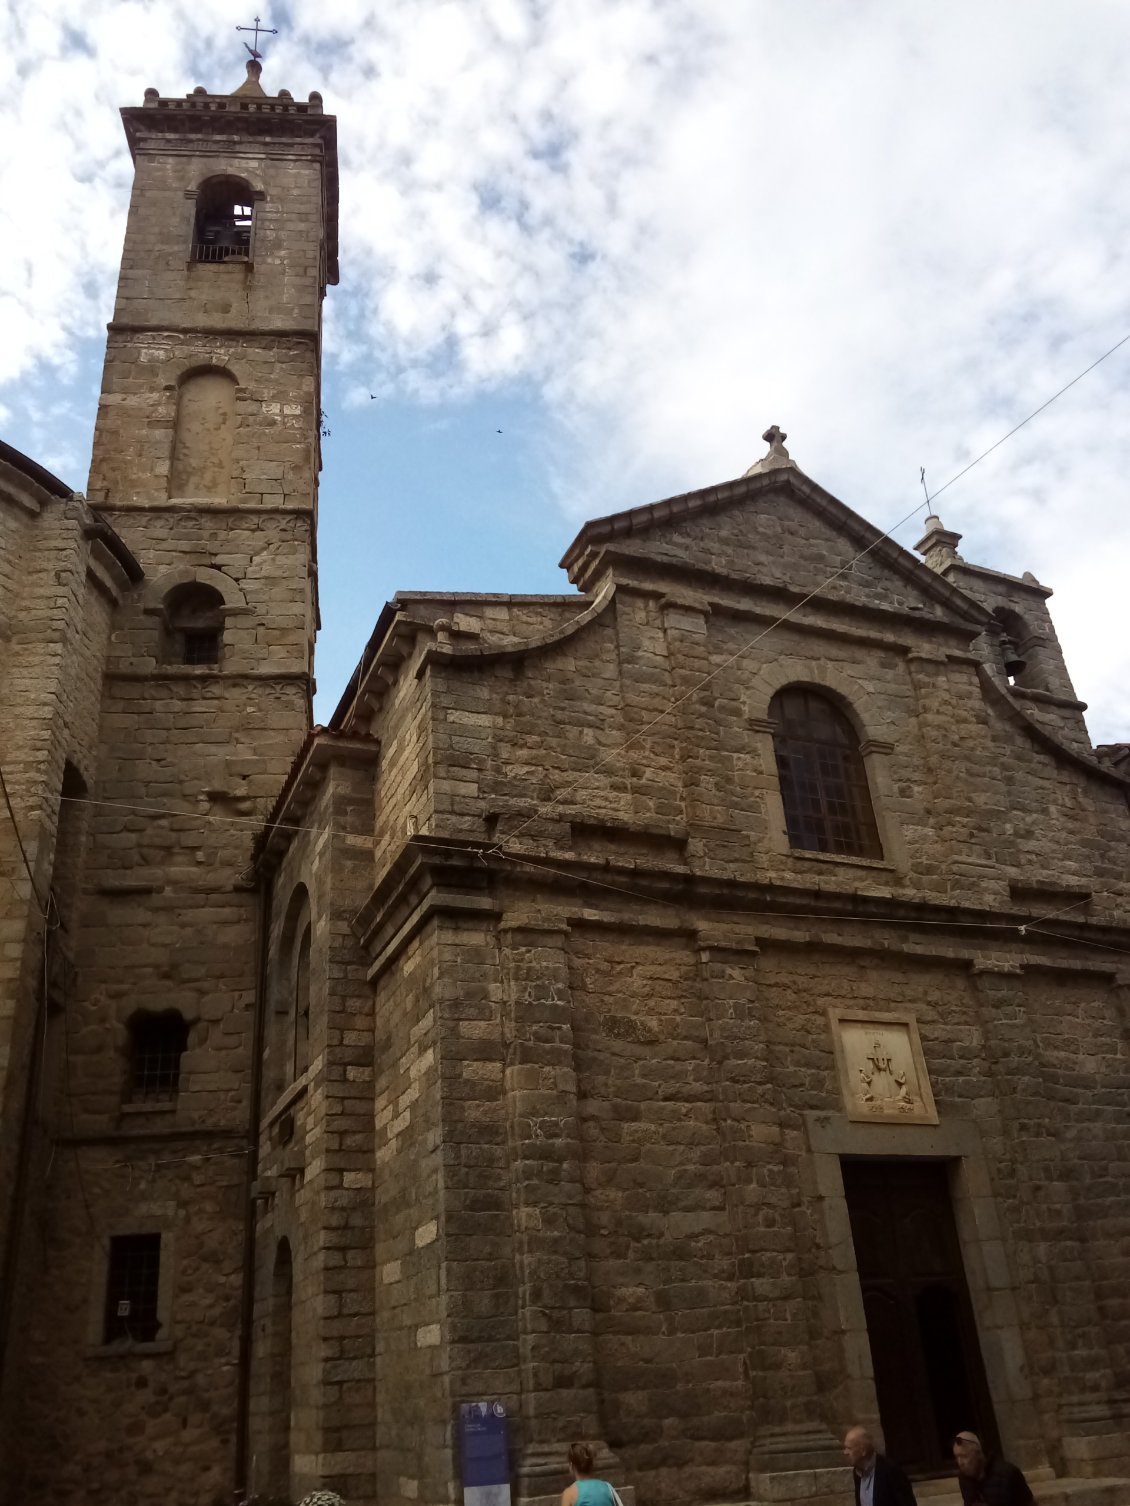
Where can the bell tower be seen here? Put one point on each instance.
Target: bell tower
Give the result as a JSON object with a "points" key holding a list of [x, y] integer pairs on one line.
{"points": [[134, 1311], [207, 445]]}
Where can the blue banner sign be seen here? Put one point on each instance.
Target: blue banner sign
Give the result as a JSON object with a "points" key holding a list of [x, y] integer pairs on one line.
{"points": [[484, 1448]]}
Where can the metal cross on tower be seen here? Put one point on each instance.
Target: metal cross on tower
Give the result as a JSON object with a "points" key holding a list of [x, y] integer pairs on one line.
{"points": [[268, 31]]}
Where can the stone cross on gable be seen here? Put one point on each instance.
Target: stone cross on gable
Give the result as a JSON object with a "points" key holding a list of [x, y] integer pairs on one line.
{"points": [[775, 438]]}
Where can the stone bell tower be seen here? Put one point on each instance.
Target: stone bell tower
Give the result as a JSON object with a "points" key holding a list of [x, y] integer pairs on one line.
{"points": [[207, 446], [133, 1294]]}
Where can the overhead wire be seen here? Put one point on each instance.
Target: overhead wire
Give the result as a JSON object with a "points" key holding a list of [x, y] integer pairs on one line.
{"points": [[20, 844], [1034, 414], [486, 850], [796, 607], [498, 849], [1021, 928]]}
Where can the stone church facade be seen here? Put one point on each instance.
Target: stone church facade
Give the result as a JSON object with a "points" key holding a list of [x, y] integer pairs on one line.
{"points": [[692, 1029]]}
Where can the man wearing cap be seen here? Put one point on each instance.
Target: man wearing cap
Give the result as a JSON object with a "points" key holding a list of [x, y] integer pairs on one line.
{"points": [[987, 1479], [877, 1481]]}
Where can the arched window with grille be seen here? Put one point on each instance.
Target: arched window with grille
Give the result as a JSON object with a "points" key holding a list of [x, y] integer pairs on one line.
{"points": [[288, 1041], [157, 1042], [225, 216], [194, 625], [823, 780], [302, 1004]]}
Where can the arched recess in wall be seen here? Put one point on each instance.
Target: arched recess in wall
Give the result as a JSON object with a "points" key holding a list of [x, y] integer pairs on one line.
{"points": [[290, 1017], [204, 437], [279, 1386], [225, 214], [70, 843], [193, 625]]}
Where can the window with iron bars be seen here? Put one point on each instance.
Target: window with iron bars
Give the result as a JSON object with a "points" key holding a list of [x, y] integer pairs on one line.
{"points": [[201, 647], [194, 625], [132, 1284], [157, 1043], [824, 785]]}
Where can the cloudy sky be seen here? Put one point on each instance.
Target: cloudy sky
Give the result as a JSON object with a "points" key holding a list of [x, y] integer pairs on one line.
{"points": [[629, 234]]}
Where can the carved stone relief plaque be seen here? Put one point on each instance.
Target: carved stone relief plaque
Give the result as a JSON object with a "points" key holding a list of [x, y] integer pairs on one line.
{"points": [[882, 1070]]}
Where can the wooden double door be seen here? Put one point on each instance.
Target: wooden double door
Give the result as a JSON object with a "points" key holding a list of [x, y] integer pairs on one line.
{"points": [[929, 1376]]}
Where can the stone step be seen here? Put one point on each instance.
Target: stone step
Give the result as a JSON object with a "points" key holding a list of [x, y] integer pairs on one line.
{"points": [[1065, 1492], [827, 1488]]}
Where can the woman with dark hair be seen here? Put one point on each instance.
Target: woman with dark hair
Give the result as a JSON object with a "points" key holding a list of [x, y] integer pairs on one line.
{"points": [[587, 1489]]}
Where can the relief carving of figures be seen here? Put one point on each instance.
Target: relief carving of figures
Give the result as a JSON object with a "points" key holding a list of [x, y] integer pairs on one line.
{"points": [[882, 1069], [881, 1085]]}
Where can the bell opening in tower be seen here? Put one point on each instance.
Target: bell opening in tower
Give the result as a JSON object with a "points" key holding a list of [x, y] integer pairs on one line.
{"points": [[224, 220]]}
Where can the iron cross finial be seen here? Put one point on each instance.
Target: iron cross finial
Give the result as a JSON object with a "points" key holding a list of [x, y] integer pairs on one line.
{"points": [[268, 31]]}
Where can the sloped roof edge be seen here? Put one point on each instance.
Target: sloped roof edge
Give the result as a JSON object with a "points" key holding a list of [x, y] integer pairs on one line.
{"points": [[34, 471], [723, 494]]}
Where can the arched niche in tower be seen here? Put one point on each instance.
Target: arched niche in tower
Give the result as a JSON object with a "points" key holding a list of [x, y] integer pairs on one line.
{"points": [[225, 215], [1020, 650], [204, 437]]}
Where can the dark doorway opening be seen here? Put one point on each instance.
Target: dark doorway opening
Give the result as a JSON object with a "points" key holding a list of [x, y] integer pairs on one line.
{"points": [[929, 1376]]}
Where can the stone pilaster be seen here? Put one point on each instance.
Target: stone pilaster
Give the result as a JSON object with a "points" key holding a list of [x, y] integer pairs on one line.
{"points": [[794, 1454], [1092, 1413], [557, 1366]]}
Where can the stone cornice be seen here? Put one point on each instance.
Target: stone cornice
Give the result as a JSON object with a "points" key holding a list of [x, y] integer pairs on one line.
{"points": [[220, 116], [431, 875]]}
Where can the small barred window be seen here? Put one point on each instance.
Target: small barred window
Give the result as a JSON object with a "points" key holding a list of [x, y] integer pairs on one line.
{"points": [[194, 625], [156, 1044], [823, 780], [132, 1283]]}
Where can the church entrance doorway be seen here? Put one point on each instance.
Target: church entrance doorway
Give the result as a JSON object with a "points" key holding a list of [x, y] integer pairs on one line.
{"points": [[929, 1376]]}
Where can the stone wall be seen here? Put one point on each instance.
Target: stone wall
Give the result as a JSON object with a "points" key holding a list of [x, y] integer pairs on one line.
{"points": [[315, 1167], [64, 583], [413, 1427], [641, 1235], [187, 759]]}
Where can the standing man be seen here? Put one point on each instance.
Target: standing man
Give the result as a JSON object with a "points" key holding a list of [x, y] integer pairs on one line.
{"points": [[878, 1482], [987, 1479]]}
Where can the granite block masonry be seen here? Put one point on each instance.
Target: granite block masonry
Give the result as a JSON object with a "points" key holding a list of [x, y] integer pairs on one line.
{"points": [[692, 1038]]}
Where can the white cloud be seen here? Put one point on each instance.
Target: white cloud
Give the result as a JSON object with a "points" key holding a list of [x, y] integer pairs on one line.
{"points": [[895, 230]]}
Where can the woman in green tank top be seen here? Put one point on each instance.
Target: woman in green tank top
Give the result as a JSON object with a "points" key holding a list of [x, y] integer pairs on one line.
{"points": [[587, 1490]]}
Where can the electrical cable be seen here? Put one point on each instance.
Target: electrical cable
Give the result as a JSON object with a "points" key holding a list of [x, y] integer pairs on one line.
{"points": [[20, 845], [534, 860], [1034, 414], [1021, 928], [850, 565]]}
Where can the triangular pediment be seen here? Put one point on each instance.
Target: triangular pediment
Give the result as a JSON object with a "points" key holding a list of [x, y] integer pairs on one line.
{"points": [[776, 529]]}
